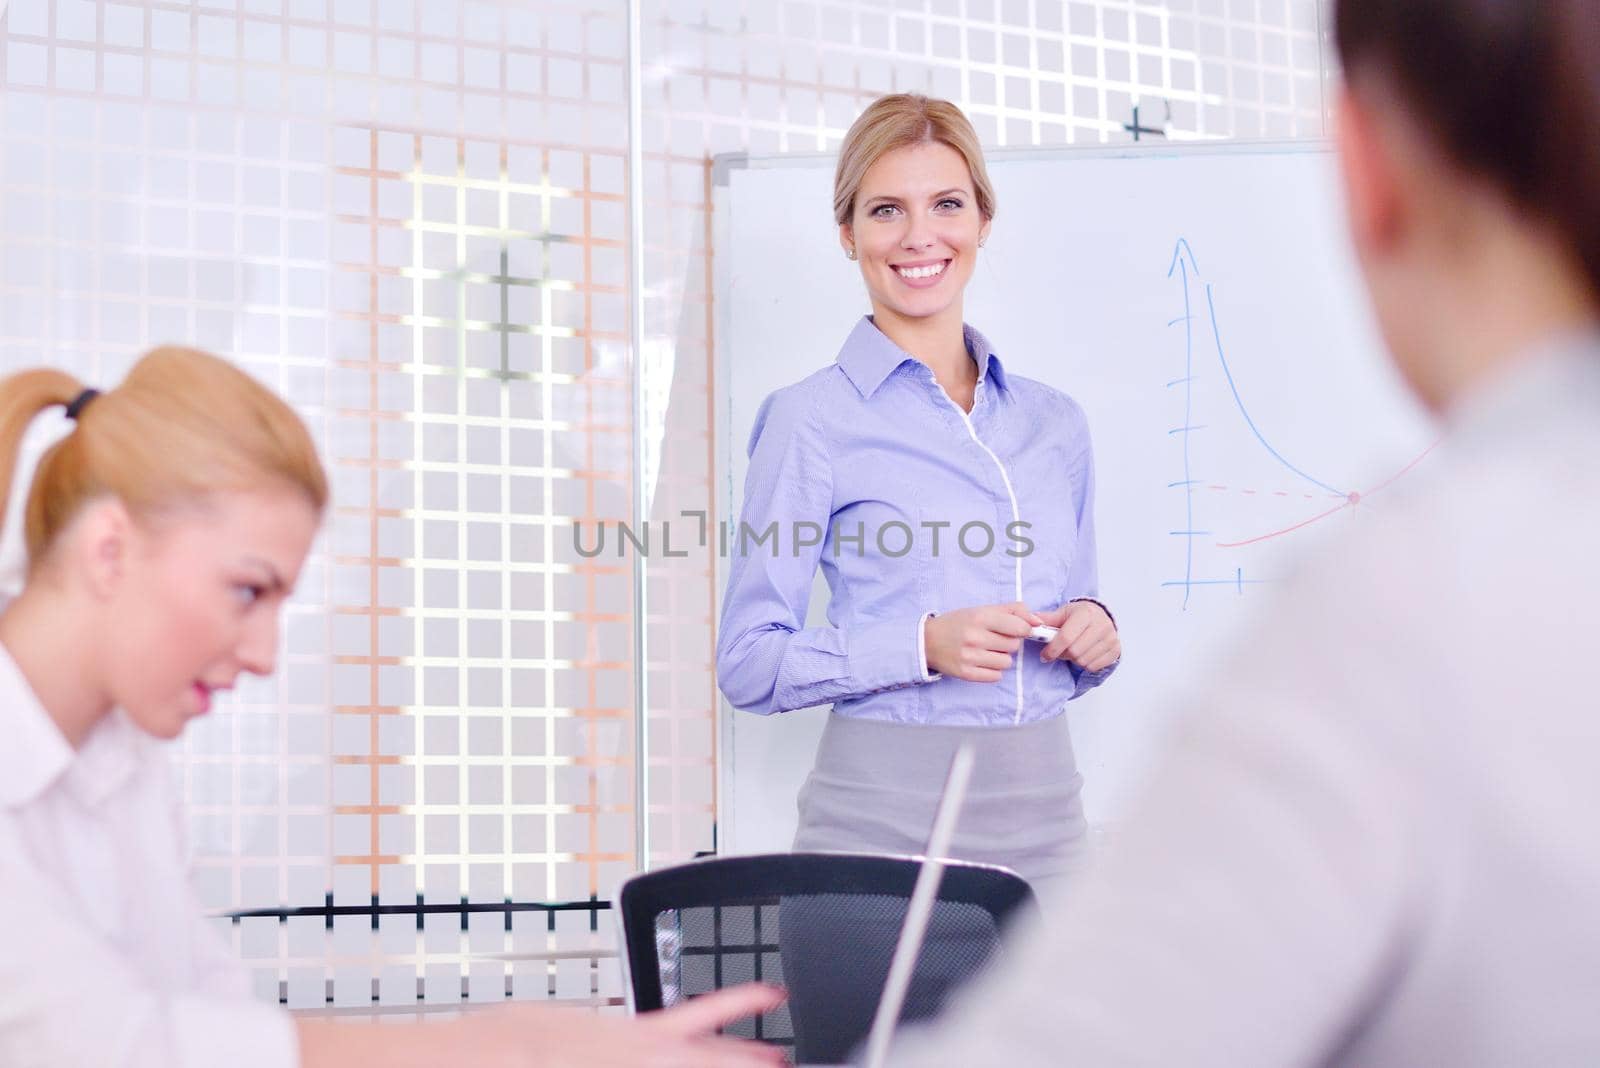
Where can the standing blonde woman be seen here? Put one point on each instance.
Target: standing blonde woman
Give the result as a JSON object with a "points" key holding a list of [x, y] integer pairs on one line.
{"points": [[950, 506], [163, 535]]}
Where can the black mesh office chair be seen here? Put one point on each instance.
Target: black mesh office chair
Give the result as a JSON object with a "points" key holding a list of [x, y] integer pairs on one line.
{"points": [[823, 925]]}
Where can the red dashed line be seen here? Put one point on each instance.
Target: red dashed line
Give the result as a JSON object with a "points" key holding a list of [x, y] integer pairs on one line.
{"points": [[1351, 499], [1275, 493]]}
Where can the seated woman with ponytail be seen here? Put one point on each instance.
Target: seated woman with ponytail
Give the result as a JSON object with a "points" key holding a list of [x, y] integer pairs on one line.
{"points": [[164, 533]]}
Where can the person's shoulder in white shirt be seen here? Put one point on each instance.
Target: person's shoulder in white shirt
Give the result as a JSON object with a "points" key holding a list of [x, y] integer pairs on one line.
{"points": [[1372, 839], [108, 959]]}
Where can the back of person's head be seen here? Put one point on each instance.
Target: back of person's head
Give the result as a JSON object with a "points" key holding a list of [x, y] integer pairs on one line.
{"points": [[898, 121], [182, 424], [1507, 90]]}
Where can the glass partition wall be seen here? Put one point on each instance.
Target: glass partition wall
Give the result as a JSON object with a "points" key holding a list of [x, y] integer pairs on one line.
{"points": [[413, 220]]}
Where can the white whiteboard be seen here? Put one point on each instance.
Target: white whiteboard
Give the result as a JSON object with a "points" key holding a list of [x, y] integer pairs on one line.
{"points": [[1093, 259]]}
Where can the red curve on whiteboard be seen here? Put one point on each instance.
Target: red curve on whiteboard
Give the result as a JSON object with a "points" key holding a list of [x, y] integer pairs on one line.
{"points": [[1350, 502]]}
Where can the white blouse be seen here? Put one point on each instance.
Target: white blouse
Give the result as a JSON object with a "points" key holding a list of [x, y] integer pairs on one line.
{"points": [[106, 958]]}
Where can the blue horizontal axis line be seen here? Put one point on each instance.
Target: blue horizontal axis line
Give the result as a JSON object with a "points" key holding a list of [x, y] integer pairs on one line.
{"points": [[1219, 582]]}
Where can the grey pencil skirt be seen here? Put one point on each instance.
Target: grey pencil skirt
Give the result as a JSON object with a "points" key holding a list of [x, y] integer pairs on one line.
{"points": [[875, 786]]}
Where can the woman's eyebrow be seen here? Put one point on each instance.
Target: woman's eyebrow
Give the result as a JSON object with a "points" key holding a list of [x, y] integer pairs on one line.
{"points": [[889, 199]]}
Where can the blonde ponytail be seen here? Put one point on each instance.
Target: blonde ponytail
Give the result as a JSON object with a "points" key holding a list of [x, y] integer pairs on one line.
{"points": [[22, 397], [182, 424]]}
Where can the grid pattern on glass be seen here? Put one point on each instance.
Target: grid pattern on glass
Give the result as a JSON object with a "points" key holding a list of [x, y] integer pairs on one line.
{"points": [[726, 75], [196, 171], [500, 752], [407, 218]]}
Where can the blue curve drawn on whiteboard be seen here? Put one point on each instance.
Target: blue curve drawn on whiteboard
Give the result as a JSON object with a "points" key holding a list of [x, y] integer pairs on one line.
{"points": [[1216, 333], [1185, 265]]}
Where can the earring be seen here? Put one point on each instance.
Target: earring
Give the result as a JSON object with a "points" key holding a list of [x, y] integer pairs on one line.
{"points": [[849, 253]]}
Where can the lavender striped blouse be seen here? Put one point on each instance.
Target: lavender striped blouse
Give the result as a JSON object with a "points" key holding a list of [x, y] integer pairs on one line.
{"points": [[910, 506]]}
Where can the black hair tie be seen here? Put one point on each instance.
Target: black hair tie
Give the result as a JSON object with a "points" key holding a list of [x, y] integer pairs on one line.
{"points": [[80, 402]]}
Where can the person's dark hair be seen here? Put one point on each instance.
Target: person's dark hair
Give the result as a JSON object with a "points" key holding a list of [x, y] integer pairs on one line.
{"points": [[1507, 89]]}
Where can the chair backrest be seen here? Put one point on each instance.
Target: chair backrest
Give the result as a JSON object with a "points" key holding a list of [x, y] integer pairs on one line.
{"points": [[823, 925]]}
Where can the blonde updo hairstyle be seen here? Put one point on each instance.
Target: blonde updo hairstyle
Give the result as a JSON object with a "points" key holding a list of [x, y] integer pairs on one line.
{"points": [[182, 424], [897, 121]]}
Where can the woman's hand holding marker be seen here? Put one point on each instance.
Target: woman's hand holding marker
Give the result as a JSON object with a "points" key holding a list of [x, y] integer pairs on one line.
{"points": [[977, 644], [1084, 635]]}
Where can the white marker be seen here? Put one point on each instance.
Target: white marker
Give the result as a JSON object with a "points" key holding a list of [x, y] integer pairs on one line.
{"points": [[1043, 634]]}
